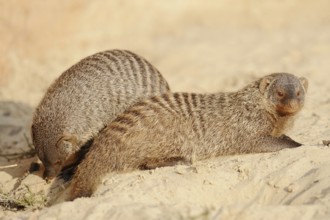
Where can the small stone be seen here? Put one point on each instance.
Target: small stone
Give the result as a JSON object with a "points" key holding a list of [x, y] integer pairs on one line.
{"points": [[207, 182], [180, 170], [272, 184], [326, 142], [289, 189]]}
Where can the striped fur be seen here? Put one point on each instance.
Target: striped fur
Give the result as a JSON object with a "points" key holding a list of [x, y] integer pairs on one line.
{"points": [[85, 98], [184, 127]]}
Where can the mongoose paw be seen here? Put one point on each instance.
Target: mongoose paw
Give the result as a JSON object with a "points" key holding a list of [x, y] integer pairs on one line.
{"points": [[291, 142], [80, 189], [78, 192]]}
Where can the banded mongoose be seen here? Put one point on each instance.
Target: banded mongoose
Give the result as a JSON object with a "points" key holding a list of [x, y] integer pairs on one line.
{"points": [[84, 99], [184, 127]]}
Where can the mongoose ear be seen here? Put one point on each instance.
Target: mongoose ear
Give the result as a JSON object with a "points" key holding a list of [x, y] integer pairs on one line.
{"points": [[264, 83], [304, 82], [67, 144]]}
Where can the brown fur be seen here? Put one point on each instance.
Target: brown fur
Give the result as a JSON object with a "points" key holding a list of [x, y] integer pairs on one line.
{"points": [[85, 98], [184, 127]]}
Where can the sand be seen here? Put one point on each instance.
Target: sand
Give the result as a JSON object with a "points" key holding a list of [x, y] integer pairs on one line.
{"points": [[199, 46]]}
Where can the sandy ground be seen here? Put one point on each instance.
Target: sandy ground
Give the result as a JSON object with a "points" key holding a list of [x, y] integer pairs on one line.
{"points": [[199, 46]]}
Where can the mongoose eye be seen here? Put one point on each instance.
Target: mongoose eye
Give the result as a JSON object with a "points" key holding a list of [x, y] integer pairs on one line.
{"points": [[280, 94], [298, 93]]}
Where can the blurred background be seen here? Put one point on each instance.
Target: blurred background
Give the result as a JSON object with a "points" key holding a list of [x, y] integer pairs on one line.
{"points": [[198, 45], [208, 40]]}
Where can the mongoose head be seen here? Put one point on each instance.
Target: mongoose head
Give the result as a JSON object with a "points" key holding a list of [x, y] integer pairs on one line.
{"points": [[54, 154], [284, 92]]}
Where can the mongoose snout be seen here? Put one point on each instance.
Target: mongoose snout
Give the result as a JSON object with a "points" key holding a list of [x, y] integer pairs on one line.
{"points": [[289, 107]]}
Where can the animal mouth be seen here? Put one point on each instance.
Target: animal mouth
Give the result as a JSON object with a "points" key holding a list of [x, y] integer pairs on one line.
{"points": [[290, 108], [286, 111], [283, 114]]}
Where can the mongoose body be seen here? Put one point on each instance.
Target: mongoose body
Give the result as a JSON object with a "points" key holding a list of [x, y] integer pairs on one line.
{"points": [[184, 127], [85, 98]]}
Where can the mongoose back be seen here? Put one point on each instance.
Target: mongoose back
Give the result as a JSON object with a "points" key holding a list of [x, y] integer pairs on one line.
{"points": [[184, 127], [84, 99]]}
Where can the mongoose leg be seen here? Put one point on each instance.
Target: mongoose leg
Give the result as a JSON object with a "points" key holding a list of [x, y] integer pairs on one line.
{"points": [[78, 192], [271, 144], [152, 163]]}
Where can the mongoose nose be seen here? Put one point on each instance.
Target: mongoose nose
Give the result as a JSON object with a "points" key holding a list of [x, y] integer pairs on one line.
{"points": [[51, 172], [294, 105]]}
